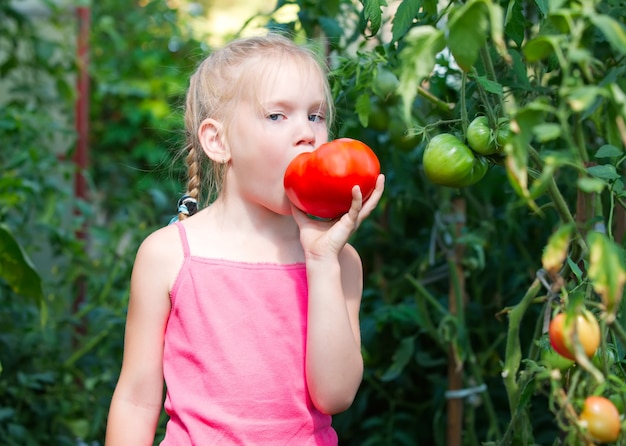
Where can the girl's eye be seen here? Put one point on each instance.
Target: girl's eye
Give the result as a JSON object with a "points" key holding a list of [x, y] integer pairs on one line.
{"points": [[275, 116], [316, 117]]}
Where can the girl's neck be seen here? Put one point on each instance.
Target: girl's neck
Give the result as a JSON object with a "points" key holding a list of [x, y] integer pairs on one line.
{"points": [[245, 233]]}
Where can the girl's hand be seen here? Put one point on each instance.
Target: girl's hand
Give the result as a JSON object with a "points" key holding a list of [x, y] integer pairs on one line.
{"points": [[322, 239]]}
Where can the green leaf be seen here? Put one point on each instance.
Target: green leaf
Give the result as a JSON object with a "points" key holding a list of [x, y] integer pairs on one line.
{"points": [[16, 267], [401, 358], [418, 57], [363, 108], [555, 252], [606, 271], [582, 98], [403, 19], [604, 171], [468, 29], [547, 132], [590, 185], [490, 86], [613, 30], [608, 151], [541, 48], [373, 13]]}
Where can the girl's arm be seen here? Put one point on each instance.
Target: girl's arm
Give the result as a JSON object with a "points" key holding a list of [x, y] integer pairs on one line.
{"points": [[138, 396], [334, 365]]}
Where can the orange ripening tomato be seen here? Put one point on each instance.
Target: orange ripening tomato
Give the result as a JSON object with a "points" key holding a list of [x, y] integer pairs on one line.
{"points": [[561, 333], [601, 418], [320, 182]]}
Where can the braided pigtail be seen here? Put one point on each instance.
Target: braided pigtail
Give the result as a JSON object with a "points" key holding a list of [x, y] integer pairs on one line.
{"points": [[188, 204]]}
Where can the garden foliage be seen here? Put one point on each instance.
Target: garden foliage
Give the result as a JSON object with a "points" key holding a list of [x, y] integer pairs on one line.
{"points": [[461, 283]]}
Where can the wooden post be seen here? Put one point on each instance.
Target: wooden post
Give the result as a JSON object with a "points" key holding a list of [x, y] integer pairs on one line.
{"points": [[454, 431]]}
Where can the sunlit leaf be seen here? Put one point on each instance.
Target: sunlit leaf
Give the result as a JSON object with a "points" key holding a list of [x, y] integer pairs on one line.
{"points": [[541, 48], [590, 185], [613, 30], [582, 98], [606, 271], [418, 57], [555, 251], [467, 32], [547, 132]]}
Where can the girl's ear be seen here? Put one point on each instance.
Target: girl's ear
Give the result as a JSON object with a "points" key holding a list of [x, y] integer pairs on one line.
{"points": [[210, 134]]}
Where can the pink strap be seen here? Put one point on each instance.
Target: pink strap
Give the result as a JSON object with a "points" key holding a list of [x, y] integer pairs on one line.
{"points": [[183, 238]]}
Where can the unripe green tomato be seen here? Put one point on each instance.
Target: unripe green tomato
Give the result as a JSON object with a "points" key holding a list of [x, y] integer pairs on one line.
{"points": [[449, 162], [503, 133], [480, 136], [385, 83], [551, 359], [400, 135], [608, 352], [379, 116]]}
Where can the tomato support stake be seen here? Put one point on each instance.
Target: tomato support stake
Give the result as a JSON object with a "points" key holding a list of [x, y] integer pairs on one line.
{"points": [[456, 306], [81, 158]]}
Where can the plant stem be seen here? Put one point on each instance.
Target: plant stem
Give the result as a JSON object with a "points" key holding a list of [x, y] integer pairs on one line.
{"points": [[618, 331], [464, 118], [513, 351], [442, 106]]}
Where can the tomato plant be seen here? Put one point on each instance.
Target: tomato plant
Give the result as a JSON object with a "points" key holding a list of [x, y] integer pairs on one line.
{"points": [[601, 419], [562, 329], [449, 162], [480, 136], [320, 182]]}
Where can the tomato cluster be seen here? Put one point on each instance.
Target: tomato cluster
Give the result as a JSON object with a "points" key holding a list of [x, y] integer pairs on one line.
{"points": [[448, 161], [320, 182]]}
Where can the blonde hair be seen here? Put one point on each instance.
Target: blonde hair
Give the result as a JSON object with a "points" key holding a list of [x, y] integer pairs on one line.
{"points": [[216, 87]]}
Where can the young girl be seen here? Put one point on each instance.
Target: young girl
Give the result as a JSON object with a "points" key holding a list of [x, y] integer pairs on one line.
{"points": [[249, 309]]}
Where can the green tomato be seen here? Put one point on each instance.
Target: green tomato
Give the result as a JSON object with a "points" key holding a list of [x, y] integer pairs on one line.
{"points": [[551, 359], [480, 136], [385, 83], [503, 133], [449, 162], [379, 116], [400, 135], [609, 352]]}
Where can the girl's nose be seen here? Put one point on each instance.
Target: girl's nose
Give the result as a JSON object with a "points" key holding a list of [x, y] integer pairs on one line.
{"points": [[305, 134]]}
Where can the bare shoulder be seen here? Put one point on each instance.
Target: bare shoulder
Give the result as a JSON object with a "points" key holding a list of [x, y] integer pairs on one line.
{"points": [[159, 256]]}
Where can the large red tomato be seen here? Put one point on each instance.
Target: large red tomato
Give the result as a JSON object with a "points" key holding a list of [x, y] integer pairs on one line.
{"points": [[601, 418], [561, 332], [320, 182]]}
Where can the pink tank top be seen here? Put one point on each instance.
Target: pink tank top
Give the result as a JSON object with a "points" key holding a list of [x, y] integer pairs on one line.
{"points": [[234, 356]]}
